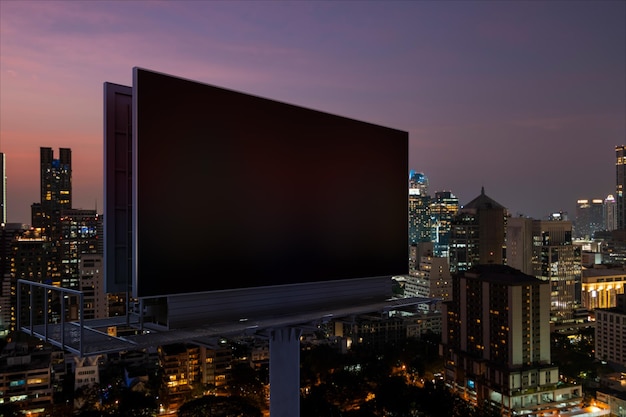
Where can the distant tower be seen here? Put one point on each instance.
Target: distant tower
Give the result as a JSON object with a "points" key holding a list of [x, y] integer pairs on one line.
{"points": [[620, 177], [610, 213], [3, 190], [418, 181], [477, 234], [589, 218], [56, 186], [544, 249], [442, 210], [419, 208]]}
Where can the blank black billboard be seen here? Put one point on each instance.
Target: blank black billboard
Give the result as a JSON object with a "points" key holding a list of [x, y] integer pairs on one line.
{"points": [[237, 191]]}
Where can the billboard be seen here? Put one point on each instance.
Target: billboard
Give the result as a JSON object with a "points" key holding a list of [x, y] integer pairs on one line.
{"points": [[234, 191]]}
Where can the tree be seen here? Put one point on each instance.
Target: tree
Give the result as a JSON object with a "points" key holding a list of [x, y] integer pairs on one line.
{"points": [[211, 406], [9, 410], [136, 404]]}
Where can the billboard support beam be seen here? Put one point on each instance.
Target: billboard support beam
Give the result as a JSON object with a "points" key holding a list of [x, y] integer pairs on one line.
{"points": [[285, 372]]}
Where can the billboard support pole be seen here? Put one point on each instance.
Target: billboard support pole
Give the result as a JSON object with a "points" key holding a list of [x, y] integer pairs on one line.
{"points": [[285, 372]]}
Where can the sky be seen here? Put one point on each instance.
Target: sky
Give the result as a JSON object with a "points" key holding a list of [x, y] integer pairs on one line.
{"points": [[524, 98]]}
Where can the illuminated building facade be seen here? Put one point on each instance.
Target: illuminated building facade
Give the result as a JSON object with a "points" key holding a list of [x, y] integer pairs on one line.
{"points": [[610, 213], [610, 338], [442, 210], [180, 369], [601, 286], [589, 218], [431, 279], [620, 184], [79, 236], [557, 261], [216, 363], [477, 234], [56, 188], [419, 208], [31, 261], [496, 343], [26, 380]]}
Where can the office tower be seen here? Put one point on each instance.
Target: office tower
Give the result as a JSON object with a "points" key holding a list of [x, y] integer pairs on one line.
{"points": [[56, 188], [610, 213], [496, 343], [589, 218], [544, 249], [610, 340], [620, 178], [477, 234], [78, 236], [557, 261], [419, 208], [3, 190], [442, 210], [519, 244]]}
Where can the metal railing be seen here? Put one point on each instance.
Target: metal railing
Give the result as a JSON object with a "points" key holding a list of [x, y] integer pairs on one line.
{"points": [[47, 328]]}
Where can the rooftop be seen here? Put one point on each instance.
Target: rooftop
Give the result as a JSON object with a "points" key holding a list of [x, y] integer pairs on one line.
{"points": [[501, 273]]}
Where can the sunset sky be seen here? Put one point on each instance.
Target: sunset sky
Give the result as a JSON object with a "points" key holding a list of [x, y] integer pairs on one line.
{"points": [[525, 98]]}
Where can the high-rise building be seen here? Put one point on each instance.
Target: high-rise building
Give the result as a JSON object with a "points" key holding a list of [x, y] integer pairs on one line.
{"points": [[610, 340], [544, 249], [496, 343], [26, 379], [442, 210], [610, 213], [56, 188], [30, 261], [477, 234], [519, 244], [557, 261], [91, 274], [419, 208], [620, 185], [9, 232], [418, 181], [78, 231], [601, 285], [3, 190], [589, 218]]}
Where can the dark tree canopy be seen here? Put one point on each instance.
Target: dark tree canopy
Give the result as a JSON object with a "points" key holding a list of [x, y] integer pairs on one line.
{"points": [[211, 406]]}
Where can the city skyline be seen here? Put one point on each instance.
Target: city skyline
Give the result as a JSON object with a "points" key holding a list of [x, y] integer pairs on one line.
{"points": [[527, 99]]}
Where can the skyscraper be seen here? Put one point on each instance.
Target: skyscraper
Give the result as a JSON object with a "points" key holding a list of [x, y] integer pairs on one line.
{"points": [[610, 213], [620, 178], [442, 210], [56, 188], [3, 190], [477, 234], [544, 249], [419, 208], [557, 261]]}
